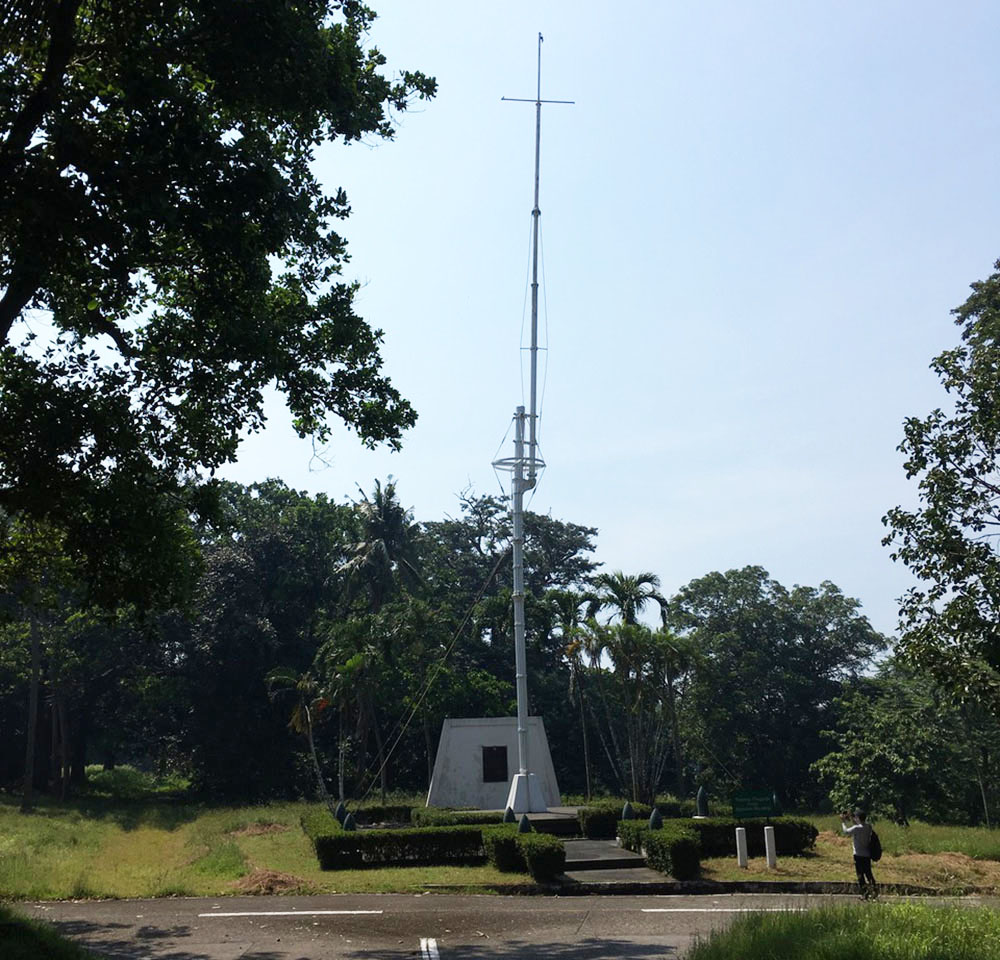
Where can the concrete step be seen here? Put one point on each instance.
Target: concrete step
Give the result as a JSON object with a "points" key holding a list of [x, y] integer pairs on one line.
{"points": [[600, 855], [560, 824]]}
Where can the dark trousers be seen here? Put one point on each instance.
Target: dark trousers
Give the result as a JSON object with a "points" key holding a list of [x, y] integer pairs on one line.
{"points": [[863, 868]]}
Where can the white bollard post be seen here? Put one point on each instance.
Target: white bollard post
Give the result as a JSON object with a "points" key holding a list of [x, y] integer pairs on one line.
{"points": [[741, 847], [769, 848]]}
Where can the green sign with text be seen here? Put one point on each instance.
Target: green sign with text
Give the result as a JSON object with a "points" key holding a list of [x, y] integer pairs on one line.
{"points": [[752, 803]]}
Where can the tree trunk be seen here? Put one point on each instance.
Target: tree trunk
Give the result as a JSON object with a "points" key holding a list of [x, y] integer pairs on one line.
{"points": [[340, 754], [320, 782], [675, 739], [586, 745], [429, 744], [383, 771], [29, 755], [63, 747]]}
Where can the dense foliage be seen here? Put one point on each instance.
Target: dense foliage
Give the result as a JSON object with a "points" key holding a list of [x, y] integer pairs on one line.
{"points": [[950, 619], [166, 254], [326, 642]]}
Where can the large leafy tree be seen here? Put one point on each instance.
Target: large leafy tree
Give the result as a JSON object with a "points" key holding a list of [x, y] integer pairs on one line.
{"points": [[950, 619], [770, 664], [903, 747], [166, 253]]}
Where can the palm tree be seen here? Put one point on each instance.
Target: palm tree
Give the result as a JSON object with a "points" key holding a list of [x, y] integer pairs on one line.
{"points": [[379, 564], [567, 607], [626, 595], [308, 704], [385, 556]]}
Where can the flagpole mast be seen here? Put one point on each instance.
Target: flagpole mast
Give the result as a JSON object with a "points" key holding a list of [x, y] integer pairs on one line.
{"points": [[525, 795], [536, 214]]}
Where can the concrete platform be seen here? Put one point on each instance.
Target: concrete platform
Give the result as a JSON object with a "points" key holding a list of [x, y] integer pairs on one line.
{"points": [[630, 877], [599, 855]]}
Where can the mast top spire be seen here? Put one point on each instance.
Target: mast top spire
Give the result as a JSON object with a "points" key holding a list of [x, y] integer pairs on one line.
{"points": [[535, 214]]}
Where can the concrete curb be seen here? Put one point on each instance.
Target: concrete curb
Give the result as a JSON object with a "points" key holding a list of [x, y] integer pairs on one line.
{"points": [[570, 888]]}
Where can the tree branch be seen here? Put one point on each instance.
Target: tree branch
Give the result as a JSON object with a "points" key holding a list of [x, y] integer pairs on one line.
{"points": [[61, 43]]}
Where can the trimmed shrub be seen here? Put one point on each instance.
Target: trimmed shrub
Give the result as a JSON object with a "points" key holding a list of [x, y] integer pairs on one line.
{"points": [[442, 817], [718, 835], [319, 823], [630, 834], [673, 849], [544, 854], [600, 822], [671, 808], [340, 850], [383, 813], [502, 850]]}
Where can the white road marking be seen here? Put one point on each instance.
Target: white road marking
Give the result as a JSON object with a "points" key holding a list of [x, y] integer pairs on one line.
{"points": [[429, 949], [292, 913]]}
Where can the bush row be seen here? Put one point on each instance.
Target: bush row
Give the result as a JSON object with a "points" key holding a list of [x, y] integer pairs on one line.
{"points": [[540, 855], [718, 835], [600, 820], [382, 813], [339, 849], [673, 849], [441, 817], [677, 848]]}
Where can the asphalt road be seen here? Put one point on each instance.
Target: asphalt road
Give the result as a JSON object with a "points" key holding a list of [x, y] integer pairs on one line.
{"points": [[391, 927]]}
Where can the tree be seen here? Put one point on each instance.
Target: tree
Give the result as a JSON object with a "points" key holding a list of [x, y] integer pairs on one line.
{"points": [[625, 594], [166, 253], [950, 621], [904, 748], [634, 691], [770, 663], [308, 705], [384, 557]]}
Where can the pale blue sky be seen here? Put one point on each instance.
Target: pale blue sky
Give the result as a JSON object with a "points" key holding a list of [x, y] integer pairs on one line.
{"points": [[755, 219]]}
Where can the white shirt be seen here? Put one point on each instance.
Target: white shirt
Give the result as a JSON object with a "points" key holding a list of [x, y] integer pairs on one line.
{"points": [[861, 836]]}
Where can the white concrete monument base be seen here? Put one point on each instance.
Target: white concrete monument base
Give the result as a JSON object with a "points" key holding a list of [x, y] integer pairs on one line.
{"points": [[466, 754], [525, 795]]}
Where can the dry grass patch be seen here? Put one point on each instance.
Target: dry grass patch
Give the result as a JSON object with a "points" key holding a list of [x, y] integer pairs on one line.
{"points": [[259, 829], [270, 882], [832, 861]]}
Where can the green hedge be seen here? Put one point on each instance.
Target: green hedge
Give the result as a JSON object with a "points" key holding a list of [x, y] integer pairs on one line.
{"points": [[382, 812], [544, 854], [443, 817], [718, 835], [540, 854], [600, 821], [338, 849], [500, 844], [673, 849], [319, 823]]}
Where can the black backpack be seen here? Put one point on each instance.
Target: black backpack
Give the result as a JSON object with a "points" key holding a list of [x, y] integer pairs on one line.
{"points": [[875, 846]]}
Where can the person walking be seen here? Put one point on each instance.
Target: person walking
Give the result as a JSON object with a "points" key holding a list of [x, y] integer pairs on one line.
{"points": [[860, 832]]}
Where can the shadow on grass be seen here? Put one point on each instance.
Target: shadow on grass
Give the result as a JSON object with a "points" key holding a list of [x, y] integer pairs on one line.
{"points": [[164, 813]]}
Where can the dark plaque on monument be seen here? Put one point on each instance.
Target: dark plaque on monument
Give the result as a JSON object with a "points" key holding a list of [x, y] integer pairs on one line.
{"points": [[495, 765]]}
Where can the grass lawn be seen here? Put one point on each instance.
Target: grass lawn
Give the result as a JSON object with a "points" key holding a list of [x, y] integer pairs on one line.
{"points": [[865, 932], [129, 837], [950, 859], [25, 939], [89, 849]]}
